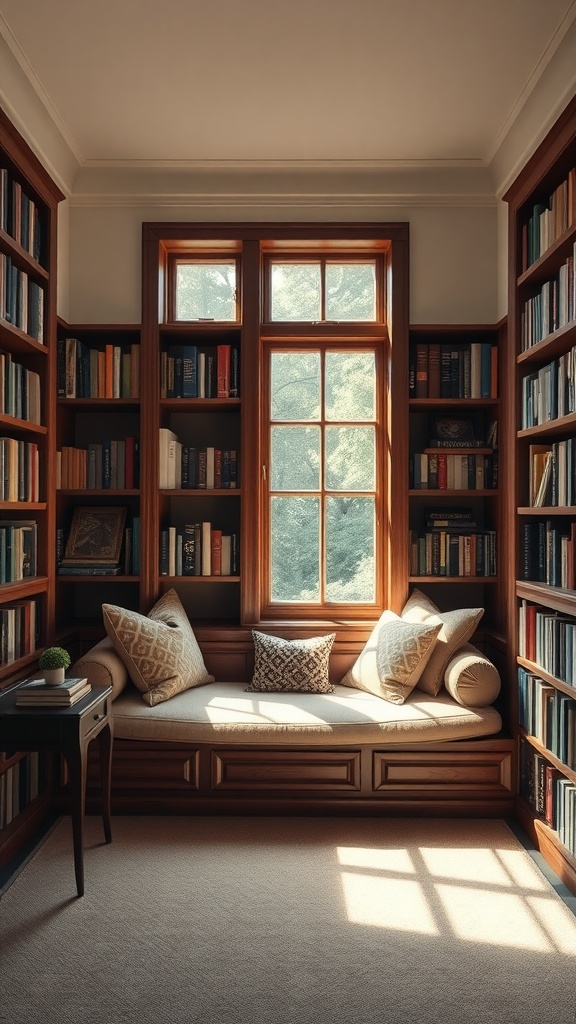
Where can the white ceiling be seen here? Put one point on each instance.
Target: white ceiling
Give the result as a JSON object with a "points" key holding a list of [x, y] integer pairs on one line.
{"points": [[160, 81]]}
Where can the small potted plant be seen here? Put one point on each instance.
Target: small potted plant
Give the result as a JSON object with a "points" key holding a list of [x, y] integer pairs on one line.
{"points": [[54, 661]]}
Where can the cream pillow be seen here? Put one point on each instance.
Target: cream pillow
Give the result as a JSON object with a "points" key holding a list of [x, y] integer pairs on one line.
{"points": [[393, 657], [471, 678], [159, 650], [456, 629]]}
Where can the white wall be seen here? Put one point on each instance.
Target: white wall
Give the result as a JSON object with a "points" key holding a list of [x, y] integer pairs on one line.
{"points": [[452, 249]]}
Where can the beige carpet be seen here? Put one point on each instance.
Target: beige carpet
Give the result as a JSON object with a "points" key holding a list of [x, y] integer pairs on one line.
{"points": [[282, 921]]}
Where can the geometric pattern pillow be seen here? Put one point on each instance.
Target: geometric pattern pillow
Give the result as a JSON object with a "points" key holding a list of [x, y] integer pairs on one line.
{"points": [[291, 665], [456, 628], [159, 650], [402, 651], [393, 657]]}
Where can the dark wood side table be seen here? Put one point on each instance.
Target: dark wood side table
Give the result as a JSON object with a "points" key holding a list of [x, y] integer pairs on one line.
{"points": [[69, 731]]}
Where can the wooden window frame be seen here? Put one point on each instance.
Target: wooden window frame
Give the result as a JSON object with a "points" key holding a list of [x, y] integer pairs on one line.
{"points": [[176, 259], [323, 609]]}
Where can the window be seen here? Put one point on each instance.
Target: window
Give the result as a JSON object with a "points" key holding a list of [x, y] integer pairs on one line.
{"points": [[322, 485], [205, 289], [319, 290]]}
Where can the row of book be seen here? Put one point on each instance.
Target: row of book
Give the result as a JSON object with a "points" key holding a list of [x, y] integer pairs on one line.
{"points": [[187, 467], [549, 793], [19, 215], [548, 639], [105, 371], [19, 470], [443, 553], [552, 474], [19, 390], [548, 220], [18, 629], [18, 550], [549, 715], [190, 371], [452, 471], [552, 307], [198, 549], [438, 370], [548, 553], [20, 784], [107, 465], [21, 299], [550, 392]]}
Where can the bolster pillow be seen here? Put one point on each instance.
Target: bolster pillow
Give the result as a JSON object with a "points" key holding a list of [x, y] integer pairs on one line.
{"points": [[103, 667], [471, 678]]}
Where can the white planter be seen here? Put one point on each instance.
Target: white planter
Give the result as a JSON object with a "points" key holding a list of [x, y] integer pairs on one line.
{"points": [[54, 676]]}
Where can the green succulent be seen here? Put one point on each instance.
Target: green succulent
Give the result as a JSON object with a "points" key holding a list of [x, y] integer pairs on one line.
{"points": [[54, 657]]}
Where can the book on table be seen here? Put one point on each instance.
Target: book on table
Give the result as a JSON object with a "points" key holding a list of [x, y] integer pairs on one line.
{"points": [[36, 692]]}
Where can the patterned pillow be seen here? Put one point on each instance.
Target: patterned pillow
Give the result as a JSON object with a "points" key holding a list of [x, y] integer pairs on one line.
{"points": [[456, 629], [159, 650], [296, 665], [393, 658]]}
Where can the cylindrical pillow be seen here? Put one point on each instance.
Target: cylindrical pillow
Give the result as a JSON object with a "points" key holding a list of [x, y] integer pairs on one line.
{"points": [[471, 678], [103, 667]]}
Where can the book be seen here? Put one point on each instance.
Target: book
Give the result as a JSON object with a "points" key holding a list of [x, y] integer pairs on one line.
{"points": [[37, 692]]}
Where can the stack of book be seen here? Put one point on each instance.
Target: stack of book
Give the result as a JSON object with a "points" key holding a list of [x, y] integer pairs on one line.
{"points": [[36, 693]]}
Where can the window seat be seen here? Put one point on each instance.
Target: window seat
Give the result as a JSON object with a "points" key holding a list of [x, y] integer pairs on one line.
{"points": [[217, 749]]}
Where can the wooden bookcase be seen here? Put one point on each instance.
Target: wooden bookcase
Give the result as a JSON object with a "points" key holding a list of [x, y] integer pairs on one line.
{"points": [[542, 247], [28, 226], [95, 411]]}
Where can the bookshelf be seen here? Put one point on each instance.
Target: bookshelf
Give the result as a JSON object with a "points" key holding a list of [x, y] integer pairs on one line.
{"points": [[541, 435], [28, 227], [98, 460], [454, 390]]}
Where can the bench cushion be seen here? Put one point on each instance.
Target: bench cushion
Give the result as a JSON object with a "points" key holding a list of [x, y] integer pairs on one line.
{"points": [[225, 713]]}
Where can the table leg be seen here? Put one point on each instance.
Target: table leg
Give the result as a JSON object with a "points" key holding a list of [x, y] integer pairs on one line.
{"points": [[76, 758], [105, 752]]}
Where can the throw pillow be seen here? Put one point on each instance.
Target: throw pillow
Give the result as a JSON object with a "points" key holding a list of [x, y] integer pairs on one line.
{"points": [[393, 658], [159, 650], [456, 629], [297, 665], [471, 678]]}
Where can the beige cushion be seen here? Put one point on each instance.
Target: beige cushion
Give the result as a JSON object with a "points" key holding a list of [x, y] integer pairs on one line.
{"points": [[159, 650], [471, 678], [291, 665], [225, 713], [102, 666], [456, 629], [393, 658]]}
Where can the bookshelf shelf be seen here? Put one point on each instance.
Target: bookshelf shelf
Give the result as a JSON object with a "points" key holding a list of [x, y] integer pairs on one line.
{"points": [[28, 227], [542, 616]]}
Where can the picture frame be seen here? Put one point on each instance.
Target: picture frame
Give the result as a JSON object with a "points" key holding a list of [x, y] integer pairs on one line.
{"points": [[96, 535], [454, 428]]}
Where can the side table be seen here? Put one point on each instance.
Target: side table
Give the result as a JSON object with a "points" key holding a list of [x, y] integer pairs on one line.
{"points": [[68, 731]]}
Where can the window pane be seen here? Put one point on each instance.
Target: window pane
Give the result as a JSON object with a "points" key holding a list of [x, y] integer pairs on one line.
{"points": [[295, 458], [295, 386], [350, 458], [350, 392], [350, 544], [295, 549], [295, 291], [206, 290], [350, 291]]}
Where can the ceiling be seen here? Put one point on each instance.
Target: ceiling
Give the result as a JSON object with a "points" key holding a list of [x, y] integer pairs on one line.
{"points": [[147, 83]]}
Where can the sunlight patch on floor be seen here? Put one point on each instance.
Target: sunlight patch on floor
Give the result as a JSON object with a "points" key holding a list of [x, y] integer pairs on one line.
{"points": [[387, 903]]}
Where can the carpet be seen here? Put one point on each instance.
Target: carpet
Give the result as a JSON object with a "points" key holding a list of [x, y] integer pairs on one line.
{"points": [[287, 921]]}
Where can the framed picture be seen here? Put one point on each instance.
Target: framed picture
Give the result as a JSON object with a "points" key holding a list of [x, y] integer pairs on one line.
{"points": [[96, 535], [454, 428]]}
